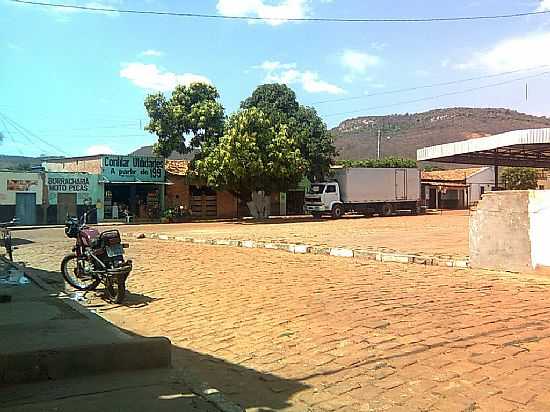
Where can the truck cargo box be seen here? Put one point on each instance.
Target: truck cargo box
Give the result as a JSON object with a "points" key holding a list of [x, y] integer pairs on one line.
{"points": [[374, 185]]}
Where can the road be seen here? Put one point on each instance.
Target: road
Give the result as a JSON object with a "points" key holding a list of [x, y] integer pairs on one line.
{"points": [[432, 234], [281, 332]]}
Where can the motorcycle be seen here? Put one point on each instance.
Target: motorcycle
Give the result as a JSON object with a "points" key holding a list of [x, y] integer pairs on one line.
{"points": [[96, 258]]}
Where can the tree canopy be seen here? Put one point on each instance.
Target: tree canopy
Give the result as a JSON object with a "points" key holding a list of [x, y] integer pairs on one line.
{"points": [[191, 116], [278, 102], [379, 163], [252, 155], [520, 178]]}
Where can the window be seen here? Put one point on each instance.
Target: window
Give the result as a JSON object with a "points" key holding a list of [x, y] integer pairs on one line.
{"points": [[331, 189], [316, 188], [481, 190]]}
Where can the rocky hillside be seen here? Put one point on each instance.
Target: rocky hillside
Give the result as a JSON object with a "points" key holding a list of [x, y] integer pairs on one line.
{"points": [[357, 138]]}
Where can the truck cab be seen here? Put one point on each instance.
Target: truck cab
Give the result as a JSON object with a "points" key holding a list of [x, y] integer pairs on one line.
{"points": [[323, 198]]}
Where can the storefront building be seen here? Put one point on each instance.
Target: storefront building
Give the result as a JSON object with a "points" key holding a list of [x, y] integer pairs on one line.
{"points": [[72, 194], [122, 185], [21, 196]]}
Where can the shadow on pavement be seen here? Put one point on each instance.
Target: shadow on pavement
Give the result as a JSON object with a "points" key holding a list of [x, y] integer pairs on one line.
{"points": [[251, 389]]}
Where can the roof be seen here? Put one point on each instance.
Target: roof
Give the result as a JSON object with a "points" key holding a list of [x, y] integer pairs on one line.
{"points": [[455, 175], [530, 147], [446, 184], [177, 167]]}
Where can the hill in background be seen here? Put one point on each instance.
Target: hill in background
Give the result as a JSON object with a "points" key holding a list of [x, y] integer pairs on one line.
{"points": [[357, 138]]}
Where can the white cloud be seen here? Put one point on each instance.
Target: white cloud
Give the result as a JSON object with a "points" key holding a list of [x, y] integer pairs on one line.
{"points": [[282, 9], [512, 54], [151, 53], [287, 73], [544, 5], [375, 45], [270, 65], [99, 149], [14, 46], [149, 76], [358, 62]]}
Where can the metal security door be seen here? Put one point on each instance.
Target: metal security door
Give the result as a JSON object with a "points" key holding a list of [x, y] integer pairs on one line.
{"points": [[400, 184], [66, 205], [25, 208]]}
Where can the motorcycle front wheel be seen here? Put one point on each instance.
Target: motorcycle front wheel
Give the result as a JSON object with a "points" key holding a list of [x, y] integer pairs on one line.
{"points": [[115, 289], [74, 275]]}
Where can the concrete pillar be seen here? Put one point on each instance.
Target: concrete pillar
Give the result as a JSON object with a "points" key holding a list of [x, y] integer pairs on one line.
{"points": [[162, 194], [282, 204]]}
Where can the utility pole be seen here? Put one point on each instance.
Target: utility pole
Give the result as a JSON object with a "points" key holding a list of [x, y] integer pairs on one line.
{"points": [[378, 148]]}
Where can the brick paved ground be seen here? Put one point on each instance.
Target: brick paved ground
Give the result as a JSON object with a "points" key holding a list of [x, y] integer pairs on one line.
{"points": [[427, 234], [276, 331]]}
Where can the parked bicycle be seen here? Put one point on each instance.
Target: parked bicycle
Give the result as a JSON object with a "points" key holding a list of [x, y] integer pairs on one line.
{"points": [[6, 237]]}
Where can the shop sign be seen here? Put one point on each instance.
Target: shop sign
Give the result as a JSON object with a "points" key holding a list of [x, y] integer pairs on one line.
{"points": [[133, 169], [68, 184], [17, 185], [85, 186]]}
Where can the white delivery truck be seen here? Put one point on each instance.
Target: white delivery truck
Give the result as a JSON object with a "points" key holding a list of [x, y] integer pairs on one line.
{"points": [[381, 191]]}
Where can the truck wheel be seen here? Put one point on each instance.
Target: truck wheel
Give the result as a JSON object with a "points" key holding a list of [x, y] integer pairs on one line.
{"points": [[337, 211], [387, 210]]}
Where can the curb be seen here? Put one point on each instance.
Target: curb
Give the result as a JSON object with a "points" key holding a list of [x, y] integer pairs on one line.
{"points": [[84, 359], [380, 255], [158, 349]]}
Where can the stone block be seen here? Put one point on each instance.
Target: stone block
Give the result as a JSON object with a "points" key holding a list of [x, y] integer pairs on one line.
{"points": [[341, 252]]}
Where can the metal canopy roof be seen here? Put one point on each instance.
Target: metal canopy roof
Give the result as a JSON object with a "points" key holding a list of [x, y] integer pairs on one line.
{"points": [[527, 148]]}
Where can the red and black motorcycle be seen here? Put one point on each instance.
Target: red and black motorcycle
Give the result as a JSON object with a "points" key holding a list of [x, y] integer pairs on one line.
{"points": [[97, 258]]}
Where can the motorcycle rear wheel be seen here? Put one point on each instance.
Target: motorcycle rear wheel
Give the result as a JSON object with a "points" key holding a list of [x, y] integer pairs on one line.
{"points": [[74, 275], [115, 289]]}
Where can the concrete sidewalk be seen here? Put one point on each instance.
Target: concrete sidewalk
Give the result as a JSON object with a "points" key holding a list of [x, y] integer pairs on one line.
{"points": [[48, 336]]}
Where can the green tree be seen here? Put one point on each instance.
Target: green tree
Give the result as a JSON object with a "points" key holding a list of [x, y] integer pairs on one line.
{"points": [[520, 178], [304, 125], [253, 156], [391, 162], [191, 116]]}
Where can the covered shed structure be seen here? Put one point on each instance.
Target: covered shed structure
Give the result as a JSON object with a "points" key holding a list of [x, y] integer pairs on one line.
{"points": [[509, 230], [518, 148]]}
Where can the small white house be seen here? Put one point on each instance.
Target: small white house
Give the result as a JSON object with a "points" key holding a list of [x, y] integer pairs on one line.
{"points": [[457, 188]]}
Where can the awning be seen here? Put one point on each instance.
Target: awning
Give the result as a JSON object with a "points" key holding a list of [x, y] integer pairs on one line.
{"points": [[137, 182], [527, 148]]}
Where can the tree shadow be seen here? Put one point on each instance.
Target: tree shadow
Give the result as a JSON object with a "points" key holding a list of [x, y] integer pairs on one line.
{"points": [[247, 387]]}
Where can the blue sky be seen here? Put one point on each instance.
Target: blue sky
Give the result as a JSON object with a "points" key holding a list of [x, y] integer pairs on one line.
{"points": [[77, 79]]}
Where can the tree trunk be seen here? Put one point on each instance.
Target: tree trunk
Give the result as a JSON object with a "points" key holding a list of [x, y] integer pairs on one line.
{"points": [[260, 205]]}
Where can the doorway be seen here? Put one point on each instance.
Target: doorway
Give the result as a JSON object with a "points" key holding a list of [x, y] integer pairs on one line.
{"points": [[66, 206], [25, 208]]}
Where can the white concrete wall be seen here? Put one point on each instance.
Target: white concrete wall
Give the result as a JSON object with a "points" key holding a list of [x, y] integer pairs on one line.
{"points": [[29, 183], [539, 221], [510, 230]]}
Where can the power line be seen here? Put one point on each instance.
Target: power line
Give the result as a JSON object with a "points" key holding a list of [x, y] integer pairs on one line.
{"points": [[428, 86], [28, 133], [296, 19], [439, 95], [9, 136]]}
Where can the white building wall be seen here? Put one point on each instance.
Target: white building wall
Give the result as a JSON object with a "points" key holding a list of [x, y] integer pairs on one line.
{"points": [[12, 183], [484, 178], [539, 219]]}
